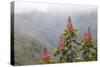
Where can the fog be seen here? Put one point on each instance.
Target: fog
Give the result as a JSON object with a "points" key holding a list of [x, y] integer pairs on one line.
{"points": [[47, 21]]}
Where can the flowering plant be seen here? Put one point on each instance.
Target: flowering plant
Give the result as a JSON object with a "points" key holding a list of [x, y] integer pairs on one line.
{"points": [[70, 48]]}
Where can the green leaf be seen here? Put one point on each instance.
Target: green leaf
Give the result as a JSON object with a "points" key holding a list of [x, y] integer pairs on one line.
{"points": [[75, 30]]}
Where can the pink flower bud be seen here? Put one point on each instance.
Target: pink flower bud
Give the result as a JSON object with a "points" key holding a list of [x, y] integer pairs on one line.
{"points": [[45, 56], [87, 35], [61, 42], [69, 25]]}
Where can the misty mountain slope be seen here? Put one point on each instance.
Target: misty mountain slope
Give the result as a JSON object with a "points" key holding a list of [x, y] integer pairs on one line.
{"points": [[49, 25], [28, 49]]}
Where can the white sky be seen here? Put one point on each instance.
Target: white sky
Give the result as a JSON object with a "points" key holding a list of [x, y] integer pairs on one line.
{"points": [[21, 7], [25, 7]]}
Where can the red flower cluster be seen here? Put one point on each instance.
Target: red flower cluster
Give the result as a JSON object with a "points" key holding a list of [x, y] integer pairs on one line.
{"points": [[45, 56], [61, 42], [87, 35], [69, 25]]}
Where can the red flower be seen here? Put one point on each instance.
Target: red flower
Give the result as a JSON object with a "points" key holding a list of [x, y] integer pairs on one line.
{"points": [[87, 35], [61, 42], [69, 25], [45, 56]]}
